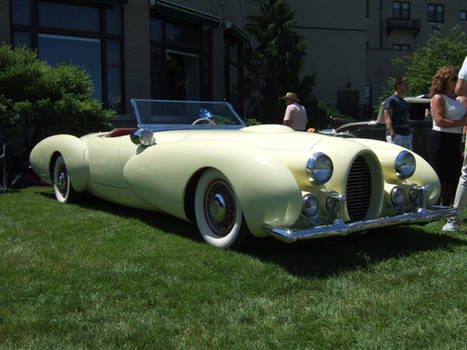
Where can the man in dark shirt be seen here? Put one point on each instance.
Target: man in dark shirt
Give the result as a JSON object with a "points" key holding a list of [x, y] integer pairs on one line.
{"points": [[396, 115]]}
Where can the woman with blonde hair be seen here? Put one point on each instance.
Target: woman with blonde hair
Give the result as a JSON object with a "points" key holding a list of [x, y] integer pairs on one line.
{"points": [[444, 144]]}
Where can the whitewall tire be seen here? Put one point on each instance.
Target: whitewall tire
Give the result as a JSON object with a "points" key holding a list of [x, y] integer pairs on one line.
{"points": [[218, 213], [63, 189]]}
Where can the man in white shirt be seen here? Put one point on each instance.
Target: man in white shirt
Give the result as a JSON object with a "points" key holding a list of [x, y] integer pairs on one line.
{"points": [[295, 114], [454, 223]]}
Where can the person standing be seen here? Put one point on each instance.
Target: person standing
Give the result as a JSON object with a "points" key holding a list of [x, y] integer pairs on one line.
{"points": [[396, 115], [460, 200], [295, 114], [444, 144]]}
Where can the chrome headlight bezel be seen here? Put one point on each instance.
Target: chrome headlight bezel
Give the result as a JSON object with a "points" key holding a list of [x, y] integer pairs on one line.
{"points": [[405, 164], [397, 196], [417, 196], [143, 137], [310, 205], [319, 168]]}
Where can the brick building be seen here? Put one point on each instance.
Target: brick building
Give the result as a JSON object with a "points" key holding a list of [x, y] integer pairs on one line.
{"points": [[138, 48], [351, 43], [193, 49]]}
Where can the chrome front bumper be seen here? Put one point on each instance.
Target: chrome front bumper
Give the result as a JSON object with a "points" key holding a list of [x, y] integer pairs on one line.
{"points": [[340, 228]]}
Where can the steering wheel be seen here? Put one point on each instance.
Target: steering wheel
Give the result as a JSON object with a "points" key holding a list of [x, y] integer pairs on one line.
{"points": [[203, 121]]}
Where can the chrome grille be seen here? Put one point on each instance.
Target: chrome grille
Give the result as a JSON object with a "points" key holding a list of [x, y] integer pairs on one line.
{"points": [[358, 189]]}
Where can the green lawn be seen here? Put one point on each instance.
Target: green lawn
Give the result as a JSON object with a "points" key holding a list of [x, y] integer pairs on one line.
{"points": [[101, 276]]}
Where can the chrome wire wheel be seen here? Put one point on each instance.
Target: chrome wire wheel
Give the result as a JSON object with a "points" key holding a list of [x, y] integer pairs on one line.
{"points": [[218, 213]]}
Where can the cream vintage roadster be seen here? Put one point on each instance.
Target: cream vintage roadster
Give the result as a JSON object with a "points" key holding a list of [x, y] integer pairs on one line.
{"points": [[199, 162]]}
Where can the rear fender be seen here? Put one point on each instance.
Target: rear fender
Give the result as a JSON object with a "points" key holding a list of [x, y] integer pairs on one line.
{"points": [[74, 152]]}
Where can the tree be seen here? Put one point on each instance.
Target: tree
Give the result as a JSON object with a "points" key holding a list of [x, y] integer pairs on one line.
{"points": [[275, 64], [37, 100], [444, 47]]}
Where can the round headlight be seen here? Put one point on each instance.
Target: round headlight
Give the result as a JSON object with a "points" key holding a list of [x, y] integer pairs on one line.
{"points": [[319, 168], [310, 205], [397, 196], [404, 164]]}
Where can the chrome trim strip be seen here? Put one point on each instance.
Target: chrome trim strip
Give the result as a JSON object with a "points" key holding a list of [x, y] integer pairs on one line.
{"points": [[340, 228]]}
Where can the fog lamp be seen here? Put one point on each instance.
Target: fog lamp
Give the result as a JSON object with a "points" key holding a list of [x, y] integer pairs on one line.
{"points": [[397, 196], [332, 205], [310, 205]]}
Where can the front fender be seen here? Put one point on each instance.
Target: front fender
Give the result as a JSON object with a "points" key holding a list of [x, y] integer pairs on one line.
{"points": [[424, 174], [74, 152], [266, 188]]}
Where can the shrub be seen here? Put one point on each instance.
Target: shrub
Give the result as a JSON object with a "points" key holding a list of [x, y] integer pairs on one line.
{"points": [[37, 100]]}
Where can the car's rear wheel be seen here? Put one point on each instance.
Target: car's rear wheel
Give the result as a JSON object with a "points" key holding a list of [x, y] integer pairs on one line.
{"points": [[63, 189], [218, 213]]}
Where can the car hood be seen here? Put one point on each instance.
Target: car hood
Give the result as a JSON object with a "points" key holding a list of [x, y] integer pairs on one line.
{"points": [[292, 148], [265, 137], [278, 139]]}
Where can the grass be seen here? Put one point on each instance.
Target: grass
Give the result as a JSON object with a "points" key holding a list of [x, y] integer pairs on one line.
{"points": [[100, 276]]}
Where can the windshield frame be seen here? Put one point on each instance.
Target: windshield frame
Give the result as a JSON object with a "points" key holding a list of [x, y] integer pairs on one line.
{"points": [[161, 127]]}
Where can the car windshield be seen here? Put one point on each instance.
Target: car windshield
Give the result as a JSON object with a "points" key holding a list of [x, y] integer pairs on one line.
{"points": [[168, 114]]}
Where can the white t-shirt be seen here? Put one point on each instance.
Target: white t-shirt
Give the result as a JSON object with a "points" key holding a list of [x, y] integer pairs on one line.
{"points": [[297, 114], [463, 71], [454, 111]]}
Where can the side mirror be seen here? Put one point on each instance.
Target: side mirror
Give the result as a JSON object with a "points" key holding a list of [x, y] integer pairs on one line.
{"points": [[143, 137]]}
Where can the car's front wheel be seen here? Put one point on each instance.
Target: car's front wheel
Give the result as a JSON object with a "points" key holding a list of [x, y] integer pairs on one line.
{"points": [[63, 189], [218, 213]]}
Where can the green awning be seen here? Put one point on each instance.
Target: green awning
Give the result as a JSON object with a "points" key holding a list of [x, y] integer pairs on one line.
{"points": [[186, 13], [239, 34]]}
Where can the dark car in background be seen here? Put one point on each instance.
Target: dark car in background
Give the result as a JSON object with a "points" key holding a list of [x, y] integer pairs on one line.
{"points": [[376, 129]]}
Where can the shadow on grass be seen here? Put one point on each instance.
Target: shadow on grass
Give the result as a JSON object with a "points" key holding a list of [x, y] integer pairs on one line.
{"points": [[161, 221], [323, 257], [320, 257]]}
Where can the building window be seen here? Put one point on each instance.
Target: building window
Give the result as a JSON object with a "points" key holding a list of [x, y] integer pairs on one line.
{"points": [[435, 13], [88, 36], [180, 60], [183, 70], [233, 72], [82, 52], [65, 16], [401, 9], [463, 15], [21, 12], [402, 47]]}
